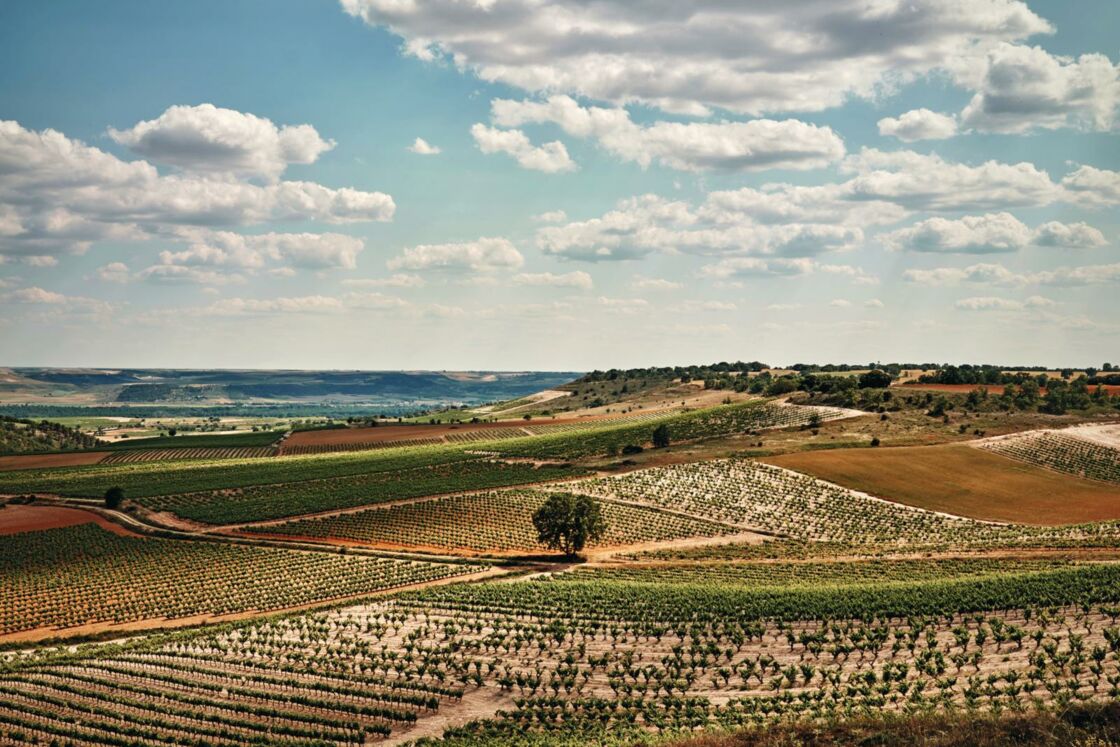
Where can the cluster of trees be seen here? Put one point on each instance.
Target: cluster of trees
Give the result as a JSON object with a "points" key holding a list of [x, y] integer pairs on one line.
{"points": [[684, 373], [1001, 375]]}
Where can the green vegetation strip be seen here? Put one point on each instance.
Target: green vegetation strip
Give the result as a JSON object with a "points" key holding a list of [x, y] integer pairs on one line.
{"points": [[607, 600], [84, 574], [292, 499], [170, 478]]}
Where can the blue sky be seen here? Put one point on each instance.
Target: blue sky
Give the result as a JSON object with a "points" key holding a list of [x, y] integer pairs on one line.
{"points": [[237, 183]]}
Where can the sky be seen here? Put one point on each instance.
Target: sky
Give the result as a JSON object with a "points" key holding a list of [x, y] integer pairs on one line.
{"points": [[557, 184]]}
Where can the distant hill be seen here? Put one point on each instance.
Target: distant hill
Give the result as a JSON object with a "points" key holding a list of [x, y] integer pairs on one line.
{"points": [[389, 389]]}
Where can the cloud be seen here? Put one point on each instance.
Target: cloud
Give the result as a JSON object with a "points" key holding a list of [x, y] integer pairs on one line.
{"points": [[799, 55], [919, 124], [114, 272], [551, 216], [693, 306], [577, 279], [295, 305], [61, 195], [208, 139], [752, 267], [239, 252], [994, 303], [972, 234], [550, 158], [639, 226], [59, 303], [399, 280], [422, 147], [1094, 186], [996, 274], [626, 306], [873, 303], [1025, 88], [988, 234], [840, 303], [643, 283], [697, 146], [928, 182], [1069, 235], [481, 255], [167, 274]]}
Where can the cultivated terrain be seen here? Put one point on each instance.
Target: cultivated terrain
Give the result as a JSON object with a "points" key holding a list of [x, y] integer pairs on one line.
{"points": [[880, 554]]}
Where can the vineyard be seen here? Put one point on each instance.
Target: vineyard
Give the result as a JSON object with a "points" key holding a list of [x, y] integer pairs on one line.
{"points": [[263, 502], [84, 575], [155, 478], [130, 456], [487, 522], [601, 660], [784, 575], [1062, 451]]}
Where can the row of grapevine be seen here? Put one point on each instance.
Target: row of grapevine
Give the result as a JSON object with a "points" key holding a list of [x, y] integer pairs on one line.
{"points": [[81, 575], [163, 478], [262, 502], [605, 661], [126, 456], [1062, 451], [772, 499], [497, 521]]}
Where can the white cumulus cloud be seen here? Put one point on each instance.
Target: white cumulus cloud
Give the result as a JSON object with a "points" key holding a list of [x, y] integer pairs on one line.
{"points": [[919, 124], [209, 139]]}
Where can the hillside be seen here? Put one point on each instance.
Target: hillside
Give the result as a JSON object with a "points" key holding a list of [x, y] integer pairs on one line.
{"points": [[27, 436]]}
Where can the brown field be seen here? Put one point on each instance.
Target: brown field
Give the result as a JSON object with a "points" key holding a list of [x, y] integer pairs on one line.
{"points": [[47, 461], [961, 480], [15, 519]]}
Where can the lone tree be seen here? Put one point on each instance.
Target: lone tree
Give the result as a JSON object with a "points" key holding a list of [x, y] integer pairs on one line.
{"points": [[114, 496], [661, 436], [568, 522]]}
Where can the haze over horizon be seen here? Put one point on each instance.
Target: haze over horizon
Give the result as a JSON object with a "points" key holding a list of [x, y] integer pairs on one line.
{"points": [[441, 185]]}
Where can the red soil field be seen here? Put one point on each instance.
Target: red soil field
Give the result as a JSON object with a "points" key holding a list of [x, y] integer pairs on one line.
{"points": [[47, 461], [22, 518]]}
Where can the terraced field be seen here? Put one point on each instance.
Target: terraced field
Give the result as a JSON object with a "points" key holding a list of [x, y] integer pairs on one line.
{"points": [[587, 659], [84, 575], [487, 522], [263, 502], [130, 456], [1063, 451], [762, 497]]}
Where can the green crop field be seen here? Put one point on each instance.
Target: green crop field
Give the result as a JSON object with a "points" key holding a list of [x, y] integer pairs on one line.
{"points": [[84, 575], [498, 522], [262, 502]]}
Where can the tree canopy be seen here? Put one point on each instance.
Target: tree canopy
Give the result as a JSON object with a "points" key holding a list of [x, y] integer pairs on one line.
{"points": [[567, 522]]}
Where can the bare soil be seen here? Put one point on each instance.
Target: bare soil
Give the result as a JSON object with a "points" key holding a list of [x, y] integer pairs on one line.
{"points": [[49, 461], [964, 481], [30, 518]]}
